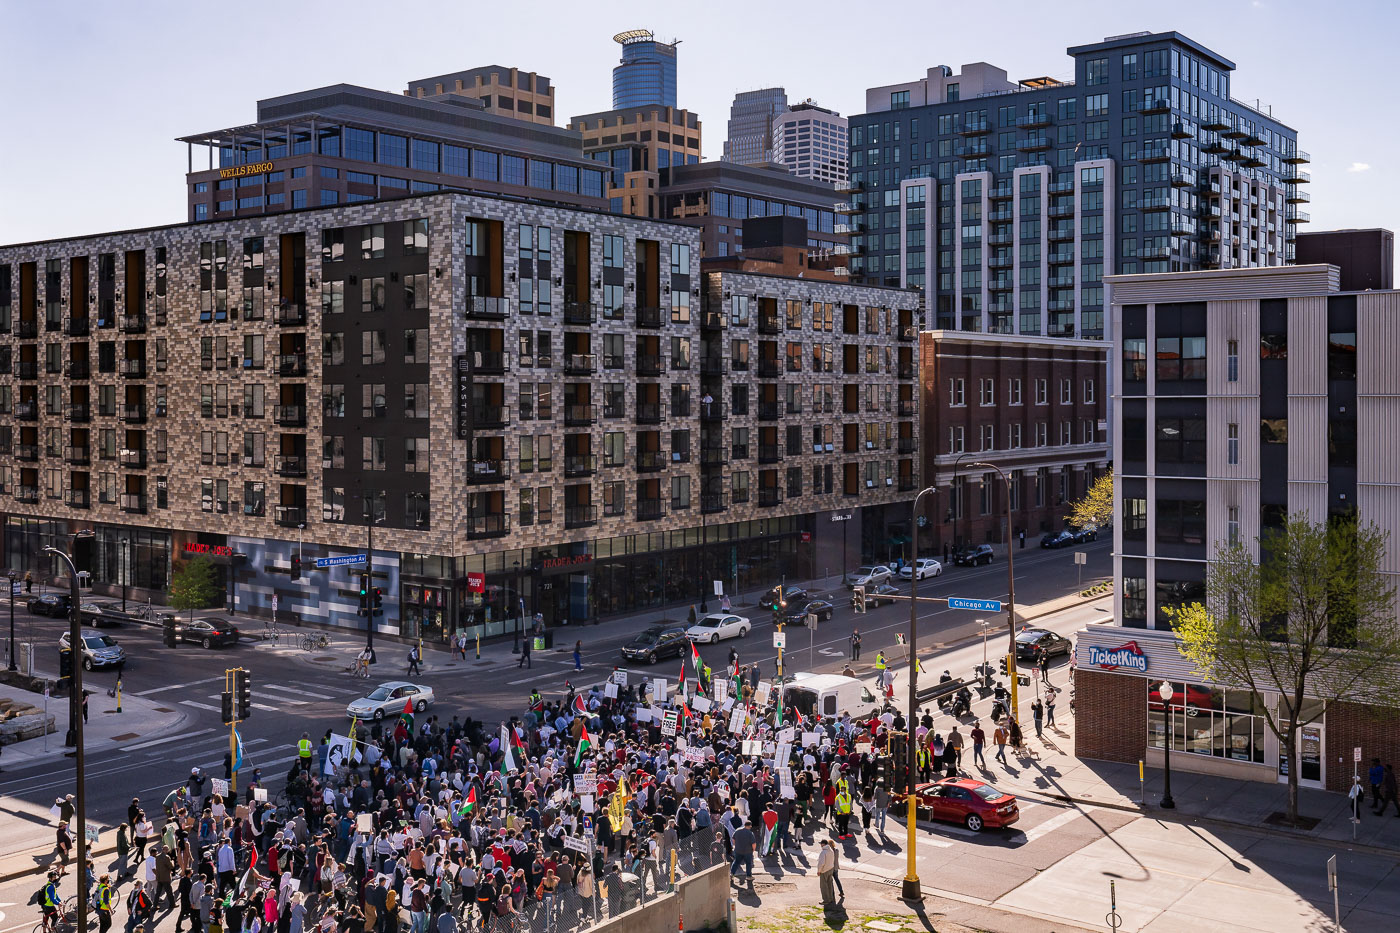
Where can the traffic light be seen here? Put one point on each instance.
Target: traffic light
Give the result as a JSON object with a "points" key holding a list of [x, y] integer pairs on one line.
{"points": [[65, 663], [1002, 664], [858, 598], [377, 603], [243, 692], [364, 595], [226, 703], [296, 567], [168, 634]]}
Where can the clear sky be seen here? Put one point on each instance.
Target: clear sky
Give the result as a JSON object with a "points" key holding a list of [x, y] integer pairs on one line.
{"points": [[94, 93]]}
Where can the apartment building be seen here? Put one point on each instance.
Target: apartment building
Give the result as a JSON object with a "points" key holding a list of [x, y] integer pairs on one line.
{"points": [[1033, 406], [1009, 201], [1246, 396], [811, 142], [456, 384]]}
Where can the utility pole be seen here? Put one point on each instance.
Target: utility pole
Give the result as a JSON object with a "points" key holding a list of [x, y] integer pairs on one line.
{"points": [[13, 666], [1010, 589], [912, 890]]}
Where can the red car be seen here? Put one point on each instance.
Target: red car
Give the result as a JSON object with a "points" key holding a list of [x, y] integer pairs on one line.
{"points": [[969, 802]]}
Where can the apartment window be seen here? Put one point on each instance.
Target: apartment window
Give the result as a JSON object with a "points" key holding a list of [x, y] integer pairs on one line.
{"points": [[1232, 444], [332, 400], [1181, 358], [1088, 391], [1232, 524], [527, 506], [1066, 433], [955, 439], [544, 505], [333, 504], [1013, 436], [1066, 392], [1013, 391], [415, 345], [614, 498], [333, 298], [372, 347], [372, 241], [415, 455], [986, 392], [1042, 392], [680, 259], [372, 453], [989, 437], [1232, 361], [415, 400], [373, 400], [1181, 521], [1042, 434], [373, 296], [957, 394], [1181, 440], [680, 492], [415, 232], [333, 452]]}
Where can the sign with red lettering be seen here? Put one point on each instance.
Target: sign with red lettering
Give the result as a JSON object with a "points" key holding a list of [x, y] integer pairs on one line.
{"points": [[569, 561], [476, 583], [216, 550], [806, 537]]}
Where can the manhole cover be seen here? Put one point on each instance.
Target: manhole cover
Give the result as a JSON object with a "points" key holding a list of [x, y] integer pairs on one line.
{"points": [[326, 658]]}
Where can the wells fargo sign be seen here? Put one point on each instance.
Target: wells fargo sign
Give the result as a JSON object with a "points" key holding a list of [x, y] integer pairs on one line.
{"points": [[238, 171]]}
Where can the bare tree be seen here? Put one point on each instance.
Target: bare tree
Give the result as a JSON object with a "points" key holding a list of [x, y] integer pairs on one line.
{"points": [[1312, 619]]}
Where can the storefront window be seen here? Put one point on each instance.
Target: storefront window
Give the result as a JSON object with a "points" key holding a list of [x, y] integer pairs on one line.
{"points": [[1206, 721], [424, 611]]}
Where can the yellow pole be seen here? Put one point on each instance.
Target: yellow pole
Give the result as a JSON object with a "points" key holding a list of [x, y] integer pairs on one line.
{"points": [[1015, 695], [233, 757]]}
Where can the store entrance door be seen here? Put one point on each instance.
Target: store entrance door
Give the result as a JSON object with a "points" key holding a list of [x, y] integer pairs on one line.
{"points": [[1311, 752], [566, 599]]}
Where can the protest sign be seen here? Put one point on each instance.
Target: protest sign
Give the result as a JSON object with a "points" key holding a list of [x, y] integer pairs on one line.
{"points": [[752, 747], [764, 689], [585, 801], [787, 735], [720, 689], [701, 703], [619, 678], [585, 783], [576, 843], [364, 822], [219, 786], [260, 794], [610, 690], [811, 738], [863, 748], [668, 722]]}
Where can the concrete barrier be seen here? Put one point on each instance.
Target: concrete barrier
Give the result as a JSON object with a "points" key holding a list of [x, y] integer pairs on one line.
{"points": [[702, 899]]}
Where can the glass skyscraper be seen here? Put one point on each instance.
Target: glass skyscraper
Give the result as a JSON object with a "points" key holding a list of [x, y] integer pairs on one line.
{"points": [[647, 75]]}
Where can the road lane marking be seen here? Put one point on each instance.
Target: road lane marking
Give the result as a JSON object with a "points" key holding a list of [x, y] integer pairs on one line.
{"points": [[268, 709], [280, 699], [223, 747], [1049, 826], [304, 693], [169, 738], [193, 683], [212, 709]]}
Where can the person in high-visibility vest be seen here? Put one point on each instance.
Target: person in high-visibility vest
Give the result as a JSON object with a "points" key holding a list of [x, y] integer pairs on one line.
{"points": [[880, 665], [922, 758], [104, 903], [304, 752], [843, 814], [51, 900]]}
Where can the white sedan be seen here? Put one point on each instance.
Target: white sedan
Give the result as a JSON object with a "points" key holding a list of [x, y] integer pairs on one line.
{"points": [[717, 626], [389, 699], [924, 567]]}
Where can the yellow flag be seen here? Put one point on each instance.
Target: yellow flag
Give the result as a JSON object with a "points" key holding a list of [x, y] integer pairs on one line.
{"points": [[617, 810]]}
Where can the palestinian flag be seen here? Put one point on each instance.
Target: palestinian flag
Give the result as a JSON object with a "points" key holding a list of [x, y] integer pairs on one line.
{"points": [[685, 710], [516, 742], [695, 661], [585, 742], [580, 707], [508, 761], [406, 717], [738, 682], [468, 805]]}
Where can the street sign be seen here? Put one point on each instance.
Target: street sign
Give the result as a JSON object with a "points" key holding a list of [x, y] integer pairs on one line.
{"points": [[342, 561], [16, 588], [1356, 753], [811, 620], [779, 639], [719, 587], [1080, 557], [977, 605]]}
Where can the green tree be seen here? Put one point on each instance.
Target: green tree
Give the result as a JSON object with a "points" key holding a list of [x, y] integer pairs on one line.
{"points": [[1313, 618], [193, 585], [1096, 508]]}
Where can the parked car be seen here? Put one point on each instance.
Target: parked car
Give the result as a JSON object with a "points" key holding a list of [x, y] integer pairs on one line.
{"points": [[972, 803], [879, 595], [796, 614], [790, 594], [1057, 539], [98, 650], [388, 700], [207, 633], [56, 605], [971, 557], [868, 576], [657, 642], [1087, 533], [1028, 640], [98, 614], [925, 567], [717, 626]]}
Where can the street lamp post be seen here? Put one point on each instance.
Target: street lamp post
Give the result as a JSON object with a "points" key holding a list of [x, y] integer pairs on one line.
{"points": [[125, 555], [1165, 692], [912, 890], [1010, 588], [13, 665], [515, 629], [75, 699]]}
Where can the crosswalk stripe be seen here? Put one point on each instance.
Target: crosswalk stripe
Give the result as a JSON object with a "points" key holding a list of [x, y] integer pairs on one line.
{"points": [[279, 699], [1049, 826], [267, 709], [207, 680], [169, 738], [219, 747], [297, 691], [206, 706]]}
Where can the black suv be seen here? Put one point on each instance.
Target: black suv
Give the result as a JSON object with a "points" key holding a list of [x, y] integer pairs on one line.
{"points": [[971, 557], [657, 642], [1038, 638], [791, 596], [57, 605]]}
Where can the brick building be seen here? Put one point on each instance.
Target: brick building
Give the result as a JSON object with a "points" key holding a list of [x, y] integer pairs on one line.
{"points": [[1034, 406]]}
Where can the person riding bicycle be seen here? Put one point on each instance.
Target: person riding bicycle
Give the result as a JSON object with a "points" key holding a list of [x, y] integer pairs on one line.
{"points": [[50, 901], [362, 663]]}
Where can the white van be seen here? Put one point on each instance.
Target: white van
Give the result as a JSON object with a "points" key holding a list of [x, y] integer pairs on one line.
{"points": [[828, 695]]}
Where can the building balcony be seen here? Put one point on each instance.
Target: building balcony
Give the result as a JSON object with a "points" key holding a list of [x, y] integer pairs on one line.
{"points": [[26, 330], [971, 149], [77, 369], [974, 127], [1183, 129], [134, 414], [1214, 146], [291, 364], [1001, 239], [1155, 252], [1061, 257], [1060, 304], [770, 411], [480, 472], [487, 362], [712, 502], [770, 368], [27, 452], [134, 369], [1183, 179], [79, 414], [580, 415], [1294, 196], [1219, 121], [906, 445], [769, 496], [907, 407], [27, 369], [1293, 215], [1001, 262], [580, 464], [77, 499], [770, 453], [1033, 143], [769, 325], [1297, 157], [649, 365], [847, 207], [132, 502], [580, 516], [78, 326], [133, 323], [1033, 120], [78, 456], [712, 411], [650, 461], [580, 364], [290, 416], [489, 416], [649, 413], [906, 371], [135, 459], [1155, 204], [1061, 187], [1156, 105], [1182, 226], [27, 411], [485, 308], [291, 315], [1001, 192], [907, 333], [649, 510], [1060, 281], [1062, 210], [289, 465], [1155, 154], [648, 317], [579, 313], [713, 456], [26, 493], [712, 366]]}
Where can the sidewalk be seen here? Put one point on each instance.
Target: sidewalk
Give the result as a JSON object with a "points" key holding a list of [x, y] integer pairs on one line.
{"points": [[1052, 771], [105, 727]]}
